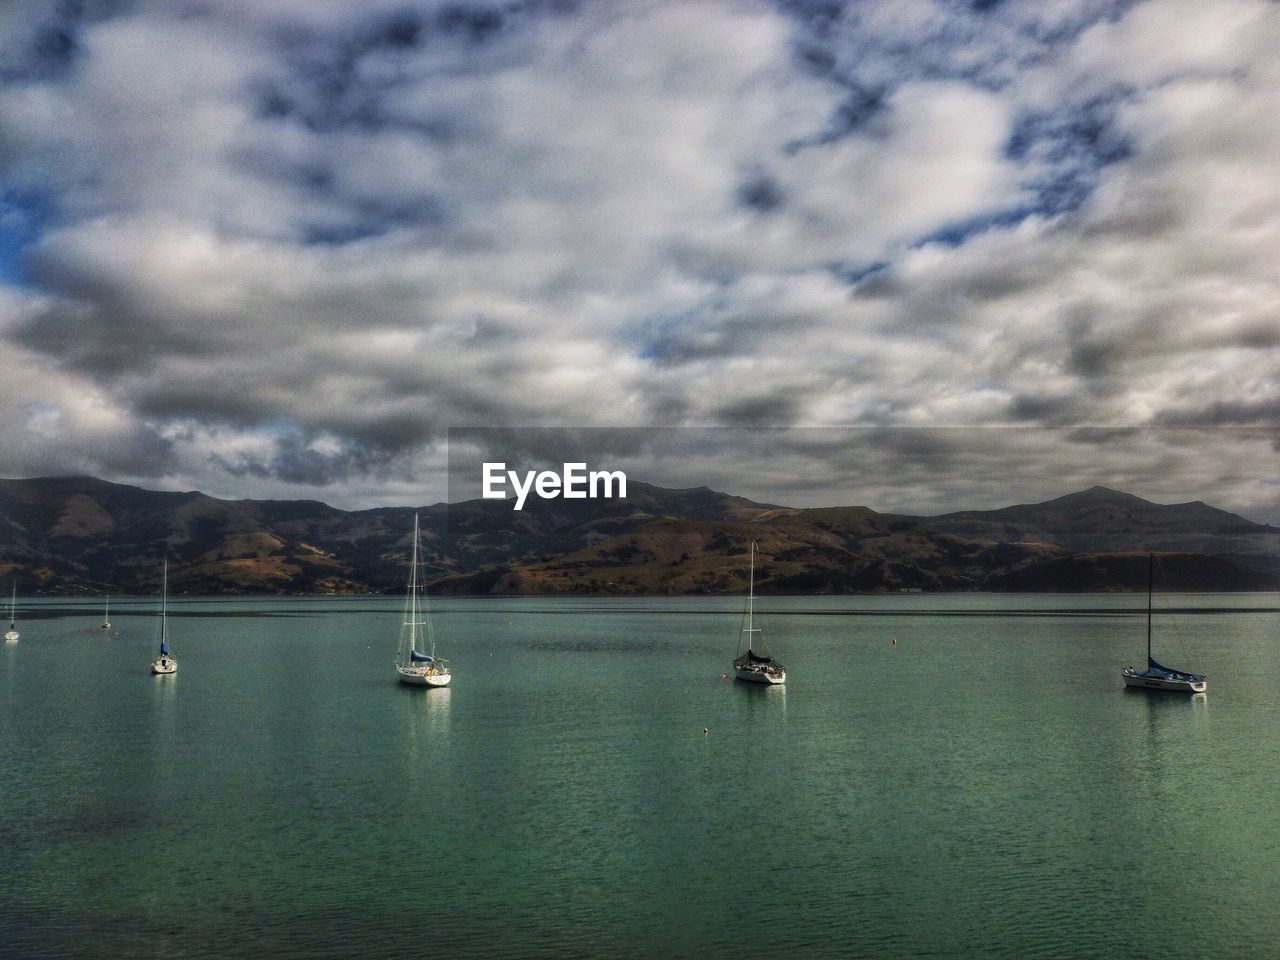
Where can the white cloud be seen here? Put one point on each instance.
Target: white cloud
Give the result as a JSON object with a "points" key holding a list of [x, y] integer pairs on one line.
{"points": [[279, 240]]}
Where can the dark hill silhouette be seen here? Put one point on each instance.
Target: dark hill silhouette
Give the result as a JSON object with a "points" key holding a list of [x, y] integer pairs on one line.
{"points": [[1103, 519], [81, 534]]}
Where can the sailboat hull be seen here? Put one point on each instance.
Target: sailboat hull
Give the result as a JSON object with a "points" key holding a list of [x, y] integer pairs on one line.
{"points": [[163, 666], [771, 673], [420, 677], [752, 676], [1142, 681], [11, 636]]}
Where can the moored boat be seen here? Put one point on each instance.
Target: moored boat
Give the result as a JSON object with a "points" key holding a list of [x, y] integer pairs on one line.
{"points": [[755, 664], [164, 664], [1156, 676], [11, 635], [412, 666]]}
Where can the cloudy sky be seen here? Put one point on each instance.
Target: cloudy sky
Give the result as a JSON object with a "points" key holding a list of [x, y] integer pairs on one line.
{"points": [[997, 251]]}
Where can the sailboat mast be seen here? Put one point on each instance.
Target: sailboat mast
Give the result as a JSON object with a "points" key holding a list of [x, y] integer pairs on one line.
{"points": [[164, 605], [426, 618], [1150, 561], [413, 592], [751, 589]]}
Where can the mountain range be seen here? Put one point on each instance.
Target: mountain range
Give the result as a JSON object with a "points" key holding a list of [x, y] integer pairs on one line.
{"points": [[69, 535]]}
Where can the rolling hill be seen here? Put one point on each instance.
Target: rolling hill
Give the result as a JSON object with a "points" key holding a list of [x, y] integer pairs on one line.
{"points": [[80, 534]]}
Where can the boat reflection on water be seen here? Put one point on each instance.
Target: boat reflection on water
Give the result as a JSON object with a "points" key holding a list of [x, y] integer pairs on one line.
{"points": [[12, 664], [162, 723], [1194, 707], [437, 708], [429, 712], [765, 700]]}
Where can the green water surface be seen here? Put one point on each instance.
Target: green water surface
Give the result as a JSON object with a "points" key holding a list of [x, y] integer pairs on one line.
{"points": [[985, 786]]}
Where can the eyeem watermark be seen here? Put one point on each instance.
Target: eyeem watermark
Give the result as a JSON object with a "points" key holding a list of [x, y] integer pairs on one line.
{"points": [[572, 483]]}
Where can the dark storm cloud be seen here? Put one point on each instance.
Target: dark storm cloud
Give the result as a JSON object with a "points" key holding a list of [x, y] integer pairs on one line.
{"points": [[246, 403], [762, 410], [1094, 358], [1224, 413], [1263, 334], [107, 336], [42, 39], [295, 460], [762, 194], [1087, 437], [136, 450], [1048, 410]]}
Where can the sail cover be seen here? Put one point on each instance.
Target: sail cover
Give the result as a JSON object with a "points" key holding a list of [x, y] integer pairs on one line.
{"points": [[1159, 671], [416, 657], [164, 651], [756, 658]]}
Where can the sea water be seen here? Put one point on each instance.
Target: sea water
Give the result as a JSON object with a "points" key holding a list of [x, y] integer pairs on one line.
{"points": [[941, 776]]}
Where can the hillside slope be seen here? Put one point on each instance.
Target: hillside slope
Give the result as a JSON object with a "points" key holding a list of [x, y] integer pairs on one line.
{"points": [[80, 534]]}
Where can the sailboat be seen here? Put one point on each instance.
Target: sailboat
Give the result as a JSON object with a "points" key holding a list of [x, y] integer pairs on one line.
{"points": [[106, 613], [164, 664], [11, 635], [412, 666], [756, 665], [1157, 677]]}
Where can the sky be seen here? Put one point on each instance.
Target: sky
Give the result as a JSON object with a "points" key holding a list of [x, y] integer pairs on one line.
{"points": [[920, 255]]}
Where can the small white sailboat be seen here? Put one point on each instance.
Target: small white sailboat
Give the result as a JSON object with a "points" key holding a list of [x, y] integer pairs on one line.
{"points": [[11, 635], [106, 613], [412, 666], [164, 664], [756, 665], [1157, 677]]}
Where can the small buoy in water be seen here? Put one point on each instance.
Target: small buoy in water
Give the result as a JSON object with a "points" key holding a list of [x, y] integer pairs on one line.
{"points": [[724, 676], [705, 731], [894, 641]]}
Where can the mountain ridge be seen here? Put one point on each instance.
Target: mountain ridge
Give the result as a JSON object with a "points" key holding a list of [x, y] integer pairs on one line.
{"points": [[61, 535]]}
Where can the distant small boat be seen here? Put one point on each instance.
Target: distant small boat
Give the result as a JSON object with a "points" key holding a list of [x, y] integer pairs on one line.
{"points": [[164, 664], [412, 666], [756, 665], [11, 635], [1157, 677], [106, 613]]}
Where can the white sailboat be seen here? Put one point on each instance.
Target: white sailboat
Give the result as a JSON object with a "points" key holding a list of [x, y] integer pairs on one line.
{"points": [[412, 666], [11, 635], [106, 613], [756, 665], [164, 664], [1157, 677]]}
